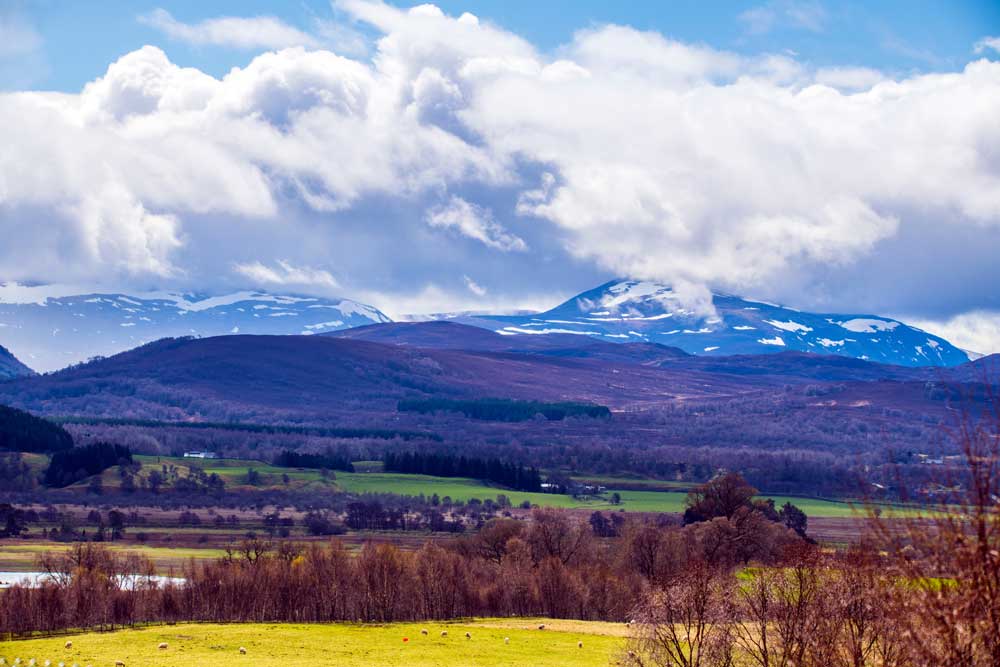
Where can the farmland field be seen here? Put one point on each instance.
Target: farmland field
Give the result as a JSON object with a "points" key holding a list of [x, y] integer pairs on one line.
{"points": [[637, 494], [635, 501], [21, 555], [348, 645]]}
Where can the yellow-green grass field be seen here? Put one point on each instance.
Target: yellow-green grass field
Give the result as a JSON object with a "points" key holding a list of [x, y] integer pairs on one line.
{"points": [[635, 501], [22, 556], [345, 645], [234, 473]]}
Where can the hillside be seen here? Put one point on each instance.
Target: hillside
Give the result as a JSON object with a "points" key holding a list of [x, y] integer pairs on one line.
{"points": [[659, 397], [306, 376], [11, 366]]}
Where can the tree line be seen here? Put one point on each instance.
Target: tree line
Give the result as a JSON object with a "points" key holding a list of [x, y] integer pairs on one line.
{"points": [[21, 431], [506, 410], [330, 460], [510, 475], [72, 465], [317, 431]]}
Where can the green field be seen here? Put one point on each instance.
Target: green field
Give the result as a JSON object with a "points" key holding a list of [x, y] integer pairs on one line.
{"points": [[234, 473], [635, 501], [346, 645]]}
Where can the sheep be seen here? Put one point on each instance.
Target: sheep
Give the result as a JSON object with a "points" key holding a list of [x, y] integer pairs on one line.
{"points": [[119, 663], [69, 645], [162, 646], [424, 632], [444, 633], [506, 640], [579, 644], [243, 651], [468, 635], [48, 663]]}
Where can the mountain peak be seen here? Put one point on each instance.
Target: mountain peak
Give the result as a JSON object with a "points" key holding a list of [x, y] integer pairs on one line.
{"points": [[645, 311]]}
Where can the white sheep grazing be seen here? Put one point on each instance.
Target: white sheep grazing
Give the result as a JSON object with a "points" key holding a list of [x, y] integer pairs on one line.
{"points": [[468, 636], [506, 640], [579, 644], [444, 633], [162, 646], [243, 651], [48, 663], [69, 644], [541, 627], [424, 632], [119, 663]]}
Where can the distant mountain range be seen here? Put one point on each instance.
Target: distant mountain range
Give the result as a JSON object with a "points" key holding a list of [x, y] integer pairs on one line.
{"points": [[631, 310], [367, 369], [51, 330], [789, 401]]}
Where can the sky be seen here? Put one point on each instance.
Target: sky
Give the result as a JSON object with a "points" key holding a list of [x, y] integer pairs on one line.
{"points": [[499, 155]]}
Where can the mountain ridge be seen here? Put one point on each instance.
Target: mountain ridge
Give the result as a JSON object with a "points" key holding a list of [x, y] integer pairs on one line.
{"points": [[633, 310], [11, 367], [52, 330]]}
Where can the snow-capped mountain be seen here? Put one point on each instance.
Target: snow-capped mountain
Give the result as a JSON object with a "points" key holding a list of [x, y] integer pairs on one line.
{"points": [[630, 310], [49, 329]]}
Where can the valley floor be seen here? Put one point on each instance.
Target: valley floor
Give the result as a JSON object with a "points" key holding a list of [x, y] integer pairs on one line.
{"points": [[347, 645]]}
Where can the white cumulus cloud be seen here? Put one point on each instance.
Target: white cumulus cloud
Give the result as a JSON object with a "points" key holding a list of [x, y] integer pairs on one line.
{"points": [[475, 222], [628, 153], [258, 32], [284, 273], [987, 44]]}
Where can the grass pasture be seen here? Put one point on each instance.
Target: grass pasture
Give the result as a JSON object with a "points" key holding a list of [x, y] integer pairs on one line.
{"points": [[22, 555], [637, 495], [346, 645], [631, 500]]}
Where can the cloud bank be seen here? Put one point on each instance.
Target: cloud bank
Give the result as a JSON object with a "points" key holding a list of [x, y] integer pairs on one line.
{"points": [[460, 149]]}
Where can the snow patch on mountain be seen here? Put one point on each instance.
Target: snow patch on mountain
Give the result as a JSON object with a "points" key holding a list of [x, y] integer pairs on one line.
{"points": [[637, 310], [866, 325]]}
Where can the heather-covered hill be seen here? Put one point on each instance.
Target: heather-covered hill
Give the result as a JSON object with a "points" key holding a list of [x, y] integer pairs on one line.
{"points": [[308, 376], [11, 366]]}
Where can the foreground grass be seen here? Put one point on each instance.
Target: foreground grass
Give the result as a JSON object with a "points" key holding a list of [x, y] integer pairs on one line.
{"points": [[346, 645]]}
